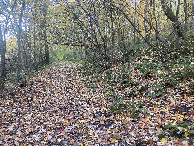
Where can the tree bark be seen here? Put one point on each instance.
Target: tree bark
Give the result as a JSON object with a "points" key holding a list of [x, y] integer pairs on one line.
{"points": [[45, 35], [145, 22], [170, 15], [186, 20], [134, 32], [177, 34], [2, 50], [19, 34], [154, 14], [34, 14]]}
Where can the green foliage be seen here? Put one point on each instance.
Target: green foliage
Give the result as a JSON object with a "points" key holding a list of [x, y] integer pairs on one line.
{"points": [[14, 77], [149, 68], [178, 71], [64, 53], [120, 105], [183, 69], [176, 130], [93, 62], [93, 87]]}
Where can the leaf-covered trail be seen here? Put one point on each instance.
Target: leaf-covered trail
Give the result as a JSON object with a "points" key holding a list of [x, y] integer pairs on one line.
{"points": [[56, 108]]}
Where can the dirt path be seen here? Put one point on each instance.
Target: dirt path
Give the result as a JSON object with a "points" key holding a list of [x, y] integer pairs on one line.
{"points": [[54, 108], [57, 108]]}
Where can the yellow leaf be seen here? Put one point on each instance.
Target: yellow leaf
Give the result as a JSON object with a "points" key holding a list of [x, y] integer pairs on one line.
{"points": [[173, 118], [159, 120], [114, 140], [185, 143], [164, 140], [72, 141], [182, 85], [186, 133], [9, 113]]}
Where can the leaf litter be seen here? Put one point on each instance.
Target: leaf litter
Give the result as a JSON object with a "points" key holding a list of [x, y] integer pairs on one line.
{"points": [[57, 107]]}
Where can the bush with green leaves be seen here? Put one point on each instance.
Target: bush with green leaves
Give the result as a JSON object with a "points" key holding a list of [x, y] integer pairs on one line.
{"points": [[148, 69], [177, 130], [120, 105], [65, 53]]}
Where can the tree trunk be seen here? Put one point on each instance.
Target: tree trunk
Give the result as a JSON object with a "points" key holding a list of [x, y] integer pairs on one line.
{"points": [[154, 14], [134, 32], [170, 15], [3, 50], [186, 15], [45, 35], [145, 23], [177, 46], [34, 14], [19, 39]]}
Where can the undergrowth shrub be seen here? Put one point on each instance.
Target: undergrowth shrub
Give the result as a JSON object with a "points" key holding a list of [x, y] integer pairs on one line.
{"points": [[179, 130], [64, 53]]}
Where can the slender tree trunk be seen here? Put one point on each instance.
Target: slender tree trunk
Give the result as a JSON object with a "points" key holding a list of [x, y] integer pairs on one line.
{"points": [[45, 35], [134, 32], [145, 23], [2, 49], [186, 22], [177, 36], [19, 34], [154, 14], [34, 38]]}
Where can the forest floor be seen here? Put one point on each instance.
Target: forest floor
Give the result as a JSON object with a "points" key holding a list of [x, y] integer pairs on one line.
{"points": [[57, 107]]}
